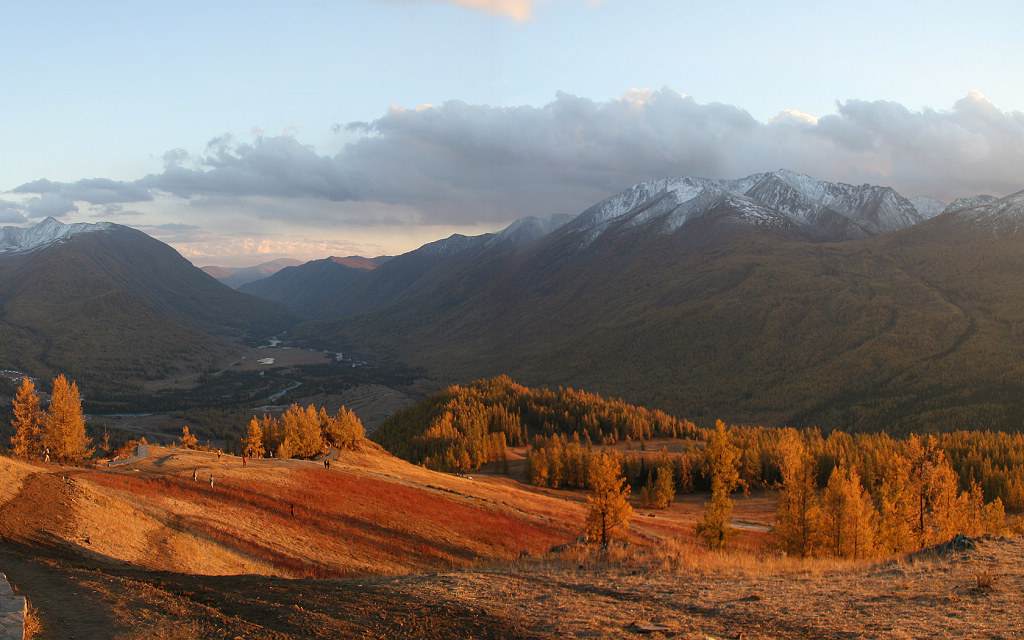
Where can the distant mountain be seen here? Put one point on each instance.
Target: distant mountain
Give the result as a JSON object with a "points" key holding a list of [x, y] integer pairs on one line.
{"points": [[928, 207], [305, 288], [110, 307], [774, 299], [968, 202], [417, 270], [235, 277]]}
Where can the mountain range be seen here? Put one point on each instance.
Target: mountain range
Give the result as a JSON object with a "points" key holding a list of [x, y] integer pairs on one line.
{"points": [[774, 299]]}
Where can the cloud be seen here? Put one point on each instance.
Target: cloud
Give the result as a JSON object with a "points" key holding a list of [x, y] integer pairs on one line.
{"points": [[93, 190], [49, 204], [12, 212], [461, 164], [516, 9]]}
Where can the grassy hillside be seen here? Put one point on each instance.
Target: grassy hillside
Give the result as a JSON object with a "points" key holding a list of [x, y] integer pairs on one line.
{"points": [[369, 514]]}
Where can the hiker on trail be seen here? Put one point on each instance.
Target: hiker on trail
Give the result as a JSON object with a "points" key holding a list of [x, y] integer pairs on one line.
{"points": [[211, 480], [327, 465], [243, 461], [195, 475], [328, 461], [47, 458]]}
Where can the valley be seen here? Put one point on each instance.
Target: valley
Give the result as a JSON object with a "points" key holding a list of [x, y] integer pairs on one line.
{"points": [[809, 389]]}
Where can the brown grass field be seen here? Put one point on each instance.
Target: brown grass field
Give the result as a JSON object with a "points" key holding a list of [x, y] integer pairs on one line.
{"points": [[377, 548]]}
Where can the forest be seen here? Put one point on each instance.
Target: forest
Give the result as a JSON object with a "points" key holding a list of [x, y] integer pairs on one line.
{"points": [[855, 495]]}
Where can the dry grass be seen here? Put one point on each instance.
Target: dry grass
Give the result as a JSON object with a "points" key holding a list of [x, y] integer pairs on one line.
{"points": [[12, 474], [33, 626], [368, 514], [442, 548]]}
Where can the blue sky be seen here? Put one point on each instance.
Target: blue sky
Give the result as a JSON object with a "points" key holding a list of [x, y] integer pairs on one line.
{"points": [[239, 132]]}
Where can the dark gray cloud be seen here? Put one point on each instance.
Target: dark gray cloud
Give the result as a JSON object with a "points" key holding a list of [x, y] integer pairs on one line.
{"points": [[92, 190], [458, 163]]}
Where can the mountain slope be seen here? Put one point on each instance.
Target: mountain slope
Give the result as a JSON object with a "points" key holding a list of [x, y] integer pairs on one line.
{"points": [[113, 306], [305, 288], [686, 296]]}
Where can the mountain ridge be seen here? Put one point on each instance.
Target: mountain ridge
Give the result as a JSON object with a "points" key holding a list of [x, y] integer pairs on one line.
{"points": [[685, 295]]}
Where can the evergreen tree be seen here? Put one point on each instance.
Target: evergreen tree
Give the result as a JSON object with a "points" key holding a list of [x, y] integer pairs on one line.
{"points": [[723, 467], [64, 431], [27, 422], [610, 510]]}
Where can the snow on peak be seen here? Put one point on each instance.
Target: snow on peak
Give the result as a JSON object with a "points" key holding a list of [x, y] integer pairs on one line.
{"points": [[927, 206], [824, 210], [528, 229], [42, 234], [1001, 216], [968, 202]]}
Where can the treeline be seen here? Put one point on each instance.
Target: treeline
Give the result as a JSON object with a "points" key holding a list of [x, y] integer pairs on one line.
{"points": [[464, 427], [302, 433], [912, 500], [993, 460]]}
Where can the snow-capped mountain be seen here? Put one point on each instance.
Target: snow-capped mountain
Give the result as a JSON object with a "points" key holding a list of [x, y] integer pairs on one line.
{"points": [[823, 211], [49, 231], [1000, 216], [928, 207], [968, 202]]}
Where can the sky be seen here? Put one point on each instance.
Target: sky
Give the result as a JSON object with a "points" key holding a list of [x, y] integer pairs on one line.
{"points": [[241, 132]]}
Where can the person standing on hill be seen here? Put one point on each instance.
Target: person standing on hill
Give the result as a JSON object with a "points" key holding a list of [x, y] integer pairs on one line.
{"points": [[211, 480]]}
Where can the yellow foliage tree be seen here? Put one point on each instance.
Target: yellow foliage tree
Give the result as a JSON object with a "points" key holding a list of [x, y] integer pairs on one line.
{"points": [[344, 430], [27, 422], [64, 425], [253, 441], [796, 523], [723, 465], [610, 510], [848, 516], [188, 441], [303, 437]]}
